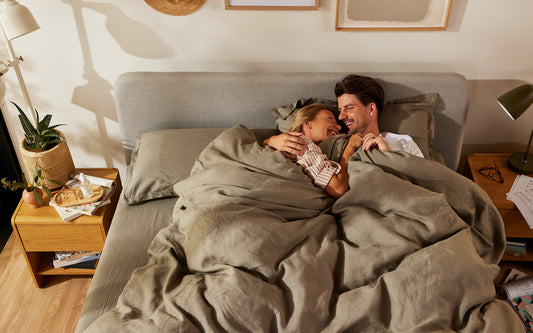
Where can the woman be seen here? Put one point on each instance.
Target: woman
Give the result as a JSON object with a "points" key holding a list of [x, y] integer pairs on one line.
{"points": [[316, 122]]}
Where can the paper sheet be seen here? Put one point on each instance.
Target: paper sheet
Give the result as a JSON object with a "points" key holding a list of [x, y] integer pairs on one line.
{"points": [[521, 194]]}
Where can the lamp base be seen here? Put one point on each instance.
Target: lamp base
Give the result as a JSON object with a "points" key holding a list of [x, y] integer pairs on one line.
{"points": [[517, 164]]}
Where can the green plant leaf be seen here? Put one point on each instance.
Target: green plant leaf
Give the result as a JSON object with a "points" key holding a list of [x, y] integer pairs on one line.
{"points": [[59, 183], [36, 116], [47, 190], [36, 174], [54, 126], [38, 198], [51, 132], [44, 124], [27, 127], [24, 119]]}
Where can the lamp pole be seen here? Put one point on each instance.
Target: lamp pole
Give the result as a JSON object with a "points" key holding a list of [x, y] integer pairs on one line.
{"points": [[14, 62], [527, 149], [16, 20]]}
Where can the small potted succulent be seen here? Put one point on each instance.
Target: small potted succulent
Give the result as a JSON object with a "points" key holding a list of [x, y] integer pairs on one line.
{"points": [[45, 148], [33, 190]]}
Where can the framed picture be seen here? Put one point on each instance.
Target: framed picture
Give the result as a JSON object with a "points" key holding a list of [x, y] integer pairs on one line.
{"points": [[272, 4], [392, 15]]}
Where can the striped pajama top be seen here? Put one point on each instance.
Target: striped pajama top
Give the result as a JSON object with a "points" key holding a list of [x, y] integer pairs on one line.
{"points": [[316, 164]]}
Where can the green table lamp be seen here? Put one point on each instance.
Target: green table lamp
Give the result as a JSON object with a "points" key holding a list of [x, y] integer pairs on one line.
{"points": [[515, 102]]}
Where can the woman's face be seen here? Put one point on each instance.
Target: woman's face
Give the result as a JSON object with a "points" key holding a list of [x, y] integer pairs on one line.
{"points": [[322, 127]]}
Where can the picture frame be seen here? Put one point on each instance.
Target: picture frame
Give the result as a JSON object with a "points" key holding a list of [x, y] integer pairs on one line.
{"points": [[392, 15], [272, 4]]}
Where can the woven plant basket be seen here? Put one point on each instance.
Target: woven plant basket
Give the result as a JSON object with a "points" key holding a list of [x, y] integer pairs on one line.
{"points": [[55, 164]]}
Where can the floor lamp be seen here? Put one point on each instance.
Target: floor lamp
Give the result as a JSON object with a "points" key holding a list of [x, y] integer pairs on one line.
{"points": [[16, 20], [515, 102]]}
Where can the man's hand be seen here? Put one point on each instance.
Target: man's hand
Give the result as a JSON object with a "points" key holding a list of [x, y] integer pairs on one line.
{"points": [[371, 141], [288, 143]]}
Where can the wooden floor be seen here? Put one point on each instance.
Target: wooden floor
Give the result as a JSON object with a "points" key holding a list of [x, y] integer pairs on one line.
{"points": [[26, 308]]}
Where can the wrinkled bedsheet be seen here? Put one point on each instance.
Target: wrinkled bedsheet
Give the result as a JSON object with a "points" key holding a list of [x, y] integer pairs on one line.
{"points": [[256, 247]]}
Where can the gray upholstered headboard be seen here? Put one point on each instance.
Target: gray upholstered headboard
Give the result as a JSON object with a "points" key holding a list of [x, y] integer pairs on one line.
{"points": [[148, 101]]}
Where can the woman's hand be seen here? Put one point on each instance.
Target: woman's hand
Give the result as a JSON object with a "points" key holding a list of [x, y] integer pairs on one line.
{"points": [[371, 141], [288, 143], [338, 184], [354, 142]]}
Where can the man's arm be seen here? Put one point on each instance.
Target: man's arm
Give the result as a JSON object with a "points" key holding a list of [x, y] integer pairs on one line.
{"points": [[393, 141], [371, 141]]}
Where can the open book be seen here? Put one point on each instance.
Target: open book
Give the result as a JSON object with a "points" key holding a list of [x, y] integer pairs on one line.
{"points": [[517, 290]]}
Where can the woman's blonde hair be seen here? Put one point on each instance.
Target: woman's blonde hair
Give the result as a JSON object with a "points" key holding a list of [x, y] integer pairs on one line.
{"points": [[305, 114]]}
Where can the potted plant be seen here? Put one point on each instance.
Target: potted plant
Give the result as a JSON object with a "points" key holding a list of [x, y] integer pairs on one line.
{"points": [[45, 148], [33, 190]]}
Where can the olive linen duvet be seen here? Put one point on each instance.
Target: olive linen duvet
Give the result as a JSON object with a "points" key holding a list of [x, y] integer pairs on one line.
{"points": [[254, 246]]}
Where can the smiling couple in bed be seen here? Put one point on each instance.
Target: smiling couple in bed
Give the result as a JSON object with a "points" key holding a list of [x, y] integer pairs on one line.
{"points": [[360, 101]]}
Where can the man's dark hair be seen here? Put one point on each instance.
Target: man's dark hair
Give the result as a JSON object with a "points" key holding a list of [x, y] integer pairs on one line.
{"points": [[366, 89]]}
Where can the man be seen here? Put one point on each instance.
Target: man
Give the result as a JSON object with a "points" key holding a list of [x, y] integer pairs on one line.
{"points": [[360, 101]]}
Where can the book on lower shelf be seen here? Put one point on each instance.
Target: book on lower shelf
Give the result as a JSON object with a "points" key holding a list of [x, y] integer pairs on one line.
{"points": [[76, 259], [517, 290], [72, 212], [515, 247], [90, 264]]}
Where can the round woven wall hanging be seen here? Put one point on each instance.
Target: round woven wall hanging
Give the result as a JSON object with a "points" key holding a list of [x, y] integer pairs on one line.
{"points": [[175, 7]]}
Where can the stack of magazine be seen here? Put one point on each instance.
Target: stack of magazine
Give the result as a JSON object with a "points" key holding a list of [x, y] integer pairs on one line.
{"points": [[517, 291], [72, 212], [76, 259]]}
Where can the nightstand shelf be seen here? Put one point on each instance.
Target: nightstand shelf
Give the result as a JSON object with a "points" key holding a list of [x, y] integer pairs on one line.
{"points": [[41, 231], [43, 265], [515, 224]]}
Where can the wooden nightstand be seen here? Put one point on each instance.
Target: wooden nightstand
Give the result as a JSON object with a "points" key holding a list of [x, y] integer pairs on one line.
{"points": [[41, 231], [515, 224]]}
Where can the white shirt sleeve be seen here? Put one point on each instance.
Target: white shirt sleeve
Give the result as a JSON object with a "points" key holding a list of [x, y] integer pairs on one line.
{"points": [[402, 142]]}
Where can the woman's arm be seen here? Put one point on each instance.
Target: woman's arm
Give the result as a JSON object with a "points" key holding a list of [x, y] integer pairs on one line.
{"points": [[338, 184], [288, 143]]}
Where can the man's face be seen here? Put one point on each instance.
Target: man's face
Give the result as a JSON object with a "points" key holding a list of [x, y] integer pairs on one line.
{"points": [[353, 114]]}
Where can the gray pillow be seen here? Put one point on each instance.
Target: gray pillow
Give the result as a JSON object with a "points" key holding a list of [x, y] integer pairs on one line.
{"points": [[283, 114], [162, 158], [412, 116]]}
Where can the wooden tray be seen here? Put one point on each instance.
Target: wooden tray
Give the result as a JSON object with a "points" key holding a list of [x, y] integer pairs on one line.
{"points": [[74, 196]]}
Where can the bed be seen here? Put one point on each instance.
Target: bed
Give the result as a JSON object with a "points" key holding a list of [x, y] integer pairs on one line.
{"points": [[216, 233]]}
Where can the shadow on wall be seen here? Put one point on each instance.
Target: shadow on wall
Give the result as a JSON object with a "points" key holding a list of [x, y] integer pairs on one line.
{"points": [[96, 94], [126, 31]]}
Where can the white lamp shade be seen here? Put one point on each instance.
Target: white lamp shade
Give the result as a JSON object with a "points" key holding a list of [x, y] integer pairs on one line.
{"points": [[16, 19]]}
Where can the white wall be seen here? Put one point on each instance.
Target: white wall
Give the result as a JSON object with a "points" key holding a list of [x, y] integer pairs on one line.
{"points": [[72, 62]]}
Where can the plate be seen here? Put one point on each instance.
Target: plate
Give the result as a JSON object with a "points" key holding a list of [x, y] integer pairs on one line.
{"points": [[74, 196]]}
